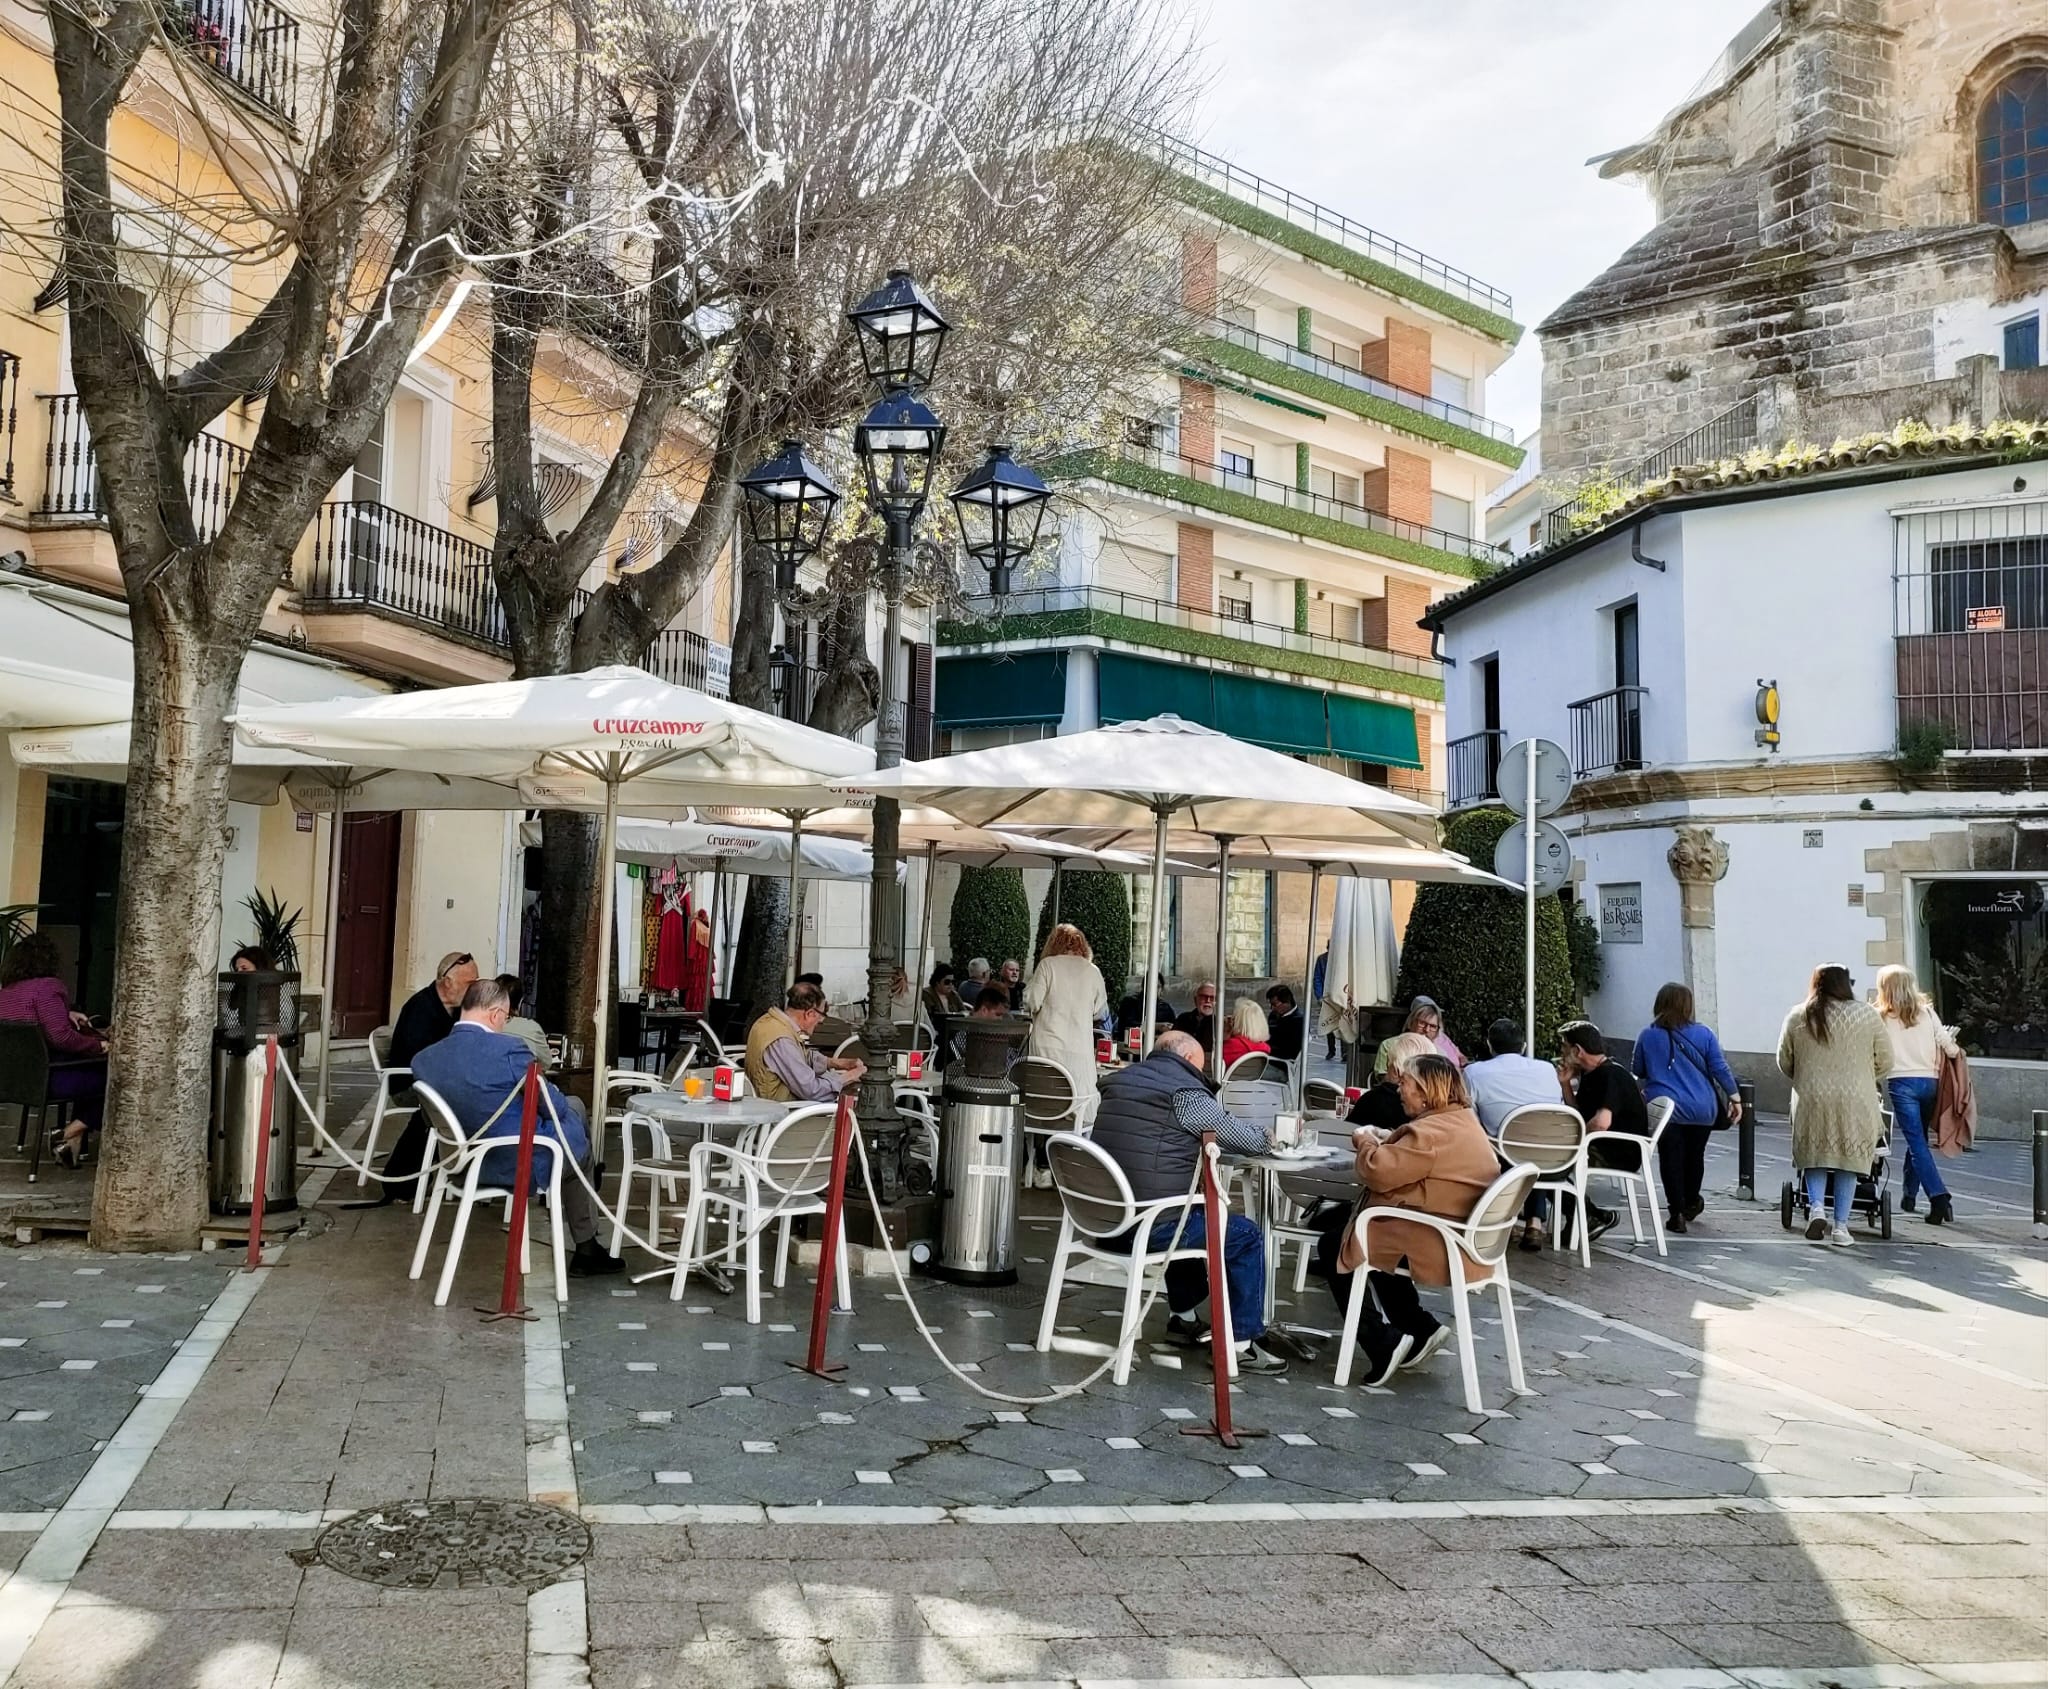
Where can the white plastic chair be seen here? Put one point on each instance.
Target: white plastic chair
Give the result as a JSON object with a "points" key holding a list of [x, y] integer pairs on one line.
{"points": [[1644, 1173], [1322, 1097], [380, 1056], [915, 1108], [1046, 1092], [1257, 1065], [460, 1155], [783, 1179], [1477, 1247], [1551, 1137], [1096, 1203]]}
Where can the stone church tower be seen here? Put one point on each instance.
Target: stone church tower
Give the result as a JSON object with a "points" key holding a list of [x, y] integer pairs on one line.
{"points": [[1852, 208]]}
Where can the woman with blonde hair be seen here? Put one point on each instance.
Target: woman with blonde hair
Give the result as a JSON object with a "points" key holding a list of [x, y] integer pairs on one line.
{"points": [[1247, 1033], [1919, 1041], [1379, 1105], [1835, 1052], [1065, 997]]}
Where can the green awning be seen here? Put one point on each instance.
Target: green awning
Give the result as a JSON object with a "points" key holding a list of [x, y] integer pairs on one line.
{"points": [[1133, 689], [1370, 731], [1001, 691], [1282, 718]]}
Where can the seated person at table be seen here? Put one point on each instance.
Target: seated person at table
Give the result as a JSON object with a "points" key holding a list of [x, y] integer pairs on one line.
{"points": [[1508, 1079], [1439, 1162], [1426, 1018], [1199, 1023], [781, 1065], [528, 1032], [811, 979], [1379, 1104], [424, 1020], [1011, 979], [1150, 1122], [1286, 1025], [1247, 1034], [941, 1000], [31, 993], [474, 1070], [1131, 1011], [993, 1003], [1607, 1096], [977, 977]]}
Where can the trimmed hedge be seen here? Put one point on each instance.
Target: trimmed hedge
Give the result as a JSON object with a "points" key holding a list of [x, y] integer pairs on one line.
{"points": [[991, 918], [1099, 903], [1193, 642], [1390, 412], [1464, 947]]}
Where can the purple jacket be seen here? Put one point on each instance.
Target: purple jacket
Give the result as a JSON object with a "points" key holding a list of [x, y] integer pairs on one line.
{"points": [[45, 1003]]}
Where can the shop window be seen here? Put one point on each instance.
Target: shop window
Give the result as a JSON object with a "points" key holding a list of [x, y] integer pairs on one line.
{"points": [[1987, 955], [2012, 150]]}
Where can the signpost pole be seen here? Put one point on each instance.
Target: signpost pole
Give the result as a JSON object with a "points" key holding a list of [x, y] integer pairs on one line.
{"points": [[1529, 813]]}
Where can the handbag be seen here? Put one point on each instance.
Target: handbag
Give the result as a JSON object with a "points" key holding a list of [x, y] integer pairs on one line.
{"points": [[1724, 1116]]}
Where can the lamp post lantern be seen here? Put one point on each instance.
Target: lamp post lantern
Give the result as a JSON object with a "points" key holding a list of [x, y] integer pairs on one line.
{"points": [[900, 333], [1000, 505], [789, 506]]}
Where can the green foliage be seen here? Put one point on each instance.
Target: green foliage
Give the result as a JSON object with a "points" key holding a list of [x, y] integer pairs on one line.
{"points": [[17, 920], [1582, 937], [1099, 903], [991, 917], [1464, 946], [1391, 412], [277, 928], [1922, 744], [1194, 642]]}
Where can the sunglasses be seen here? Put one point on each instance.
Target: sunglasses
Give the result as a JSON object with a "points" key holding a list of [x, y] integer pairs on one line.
{"points": [[459, 962]]}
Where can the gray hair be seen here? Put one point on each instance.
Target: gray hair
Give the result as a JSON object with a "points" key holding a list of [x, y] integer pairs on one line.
{"points": [[484, 994], [1183, 1044], [978, 968]]}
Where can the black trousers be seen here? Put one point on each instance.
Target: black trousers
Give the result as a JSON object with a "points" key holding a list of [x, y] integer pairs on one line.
{"points": [[1393, 1307], [407, 1157], [1682, 1163]]}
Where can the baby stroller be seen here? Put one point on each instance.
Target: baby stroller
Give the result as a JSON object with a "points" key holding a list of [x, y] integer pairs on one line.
{"points": [[1873, 1190]]}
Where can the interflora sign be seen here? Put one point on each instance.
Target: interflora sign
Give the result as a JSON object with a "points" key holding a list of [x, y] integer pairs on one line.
{"points": [[1621, 913]]}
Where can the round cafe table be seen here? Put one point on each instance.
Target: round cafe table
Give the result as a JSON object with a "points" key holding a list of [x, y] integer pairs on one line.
{"points": [[710, 1119], [1325, 1170]]}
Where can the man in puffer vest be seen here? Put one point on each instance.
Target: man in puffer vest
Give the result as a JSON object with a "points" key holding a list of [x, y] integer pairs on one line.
{"points": [[1150, 1123]]}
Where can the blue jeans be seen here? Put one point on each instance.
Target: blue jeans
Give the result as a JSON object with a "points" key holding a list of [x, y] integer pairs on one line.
{"points": [[1912, 1103], [1244, 1269], [1817, 1181]]}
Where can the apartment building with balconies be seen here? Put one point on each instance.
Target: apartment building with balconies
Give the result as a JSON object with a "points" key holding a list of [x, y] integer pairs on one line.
{"points": [[1255, 552], [391, 585]]}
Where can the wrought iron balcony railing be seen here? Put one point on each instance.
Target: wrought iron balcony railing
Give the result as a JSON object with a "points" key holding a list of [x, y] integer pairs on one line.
{"points": [[1728, 435], [1285, 352], [251, 44], [1475, 767], [1607, 731], [10, 404], [369, 556], [71, 476]]}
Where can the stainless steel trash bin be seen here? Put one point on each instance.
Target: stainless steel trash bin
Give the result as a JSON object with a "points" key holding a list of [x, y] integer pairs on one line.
{"points": [[981, 1156], [251, 1008]]}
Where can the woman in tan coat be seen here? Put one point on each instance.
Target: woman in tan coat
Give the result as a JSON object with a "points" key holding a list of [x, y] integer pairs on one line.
{"points": [[1439, 1163], [1836, 1053]]}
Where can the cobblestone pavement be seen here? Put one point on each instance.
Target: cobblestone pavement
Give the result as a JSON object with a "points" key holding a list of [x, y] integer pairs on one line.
{"points": [[1750, 1462]]}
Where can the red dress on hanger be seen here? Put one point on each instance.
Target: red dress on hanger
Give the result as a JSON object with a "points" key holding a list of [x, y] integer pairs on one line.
{"points": [[697, 964], [671, 944]]}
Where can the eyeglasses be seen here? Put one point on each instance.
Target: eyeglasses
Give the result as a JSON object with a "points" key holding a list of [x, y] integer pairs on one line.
{"points": [[459, 962]]}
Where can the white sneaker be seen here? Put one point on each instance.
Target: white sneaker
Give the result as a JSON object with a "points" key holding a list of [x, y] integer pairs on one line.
{"points": [[1841, 1239]]}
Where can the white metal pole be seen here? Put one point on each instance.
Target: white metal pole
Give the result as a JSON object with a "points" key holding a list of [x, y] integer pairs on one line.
{"points": [[1308, 974], [601, 1020], [1222, 952], [796, 937], [335, 832], [713, 973], [924, 932], [1157, 926], [1529, 903]]}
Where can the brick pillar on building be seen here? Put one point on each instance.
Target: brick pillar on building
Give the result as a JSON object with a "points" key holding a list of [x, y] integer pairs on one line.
{"points": [[1197, 422], [1401, 488], [1402, 357], [1393, 623], [1198, 283], [1427, 780], [1196, 576]]}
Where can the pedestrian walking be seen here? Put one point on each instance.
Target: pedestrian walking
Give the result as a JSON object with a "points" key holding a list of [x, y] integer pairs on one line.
{"points": [[1918, 1041], [1835, 1052], [1678, 1057]]}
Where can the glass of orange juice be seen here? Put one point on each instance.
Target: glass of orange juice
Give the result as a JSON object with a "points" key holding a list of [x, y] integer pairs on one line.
{"points": [[693, 1087]]}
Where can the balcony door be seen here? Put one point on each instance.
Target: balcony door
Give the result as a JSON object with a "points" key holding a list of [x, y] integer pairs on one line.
{"points": [[1628, 675], [369, 899]]}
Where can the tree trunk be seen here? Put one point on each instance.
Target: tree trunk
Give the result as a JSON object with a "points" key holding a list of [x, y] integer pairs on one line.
{"points": [[151, 1189], [568, 920], [759, 958]]}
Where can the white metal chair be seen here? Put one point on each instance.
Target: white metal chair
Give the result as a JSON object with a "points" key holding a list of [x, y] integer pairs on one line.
{"points": [[383, 1107], [1096, 1204], [1322, 1096], [783, 1179], [1260, 1101], [1046, 1093], [1643, 1173], [460, 1155], [1551, 1137], [1256, 1065], [915, 1108], [1477, 1247]]}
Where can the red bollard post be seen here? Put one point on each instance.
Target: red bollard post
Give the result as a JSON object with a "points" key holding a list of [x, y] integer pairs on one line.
{"points": [[828, 1249], [255, 1257], [509, 1305], [1220, 1427]]}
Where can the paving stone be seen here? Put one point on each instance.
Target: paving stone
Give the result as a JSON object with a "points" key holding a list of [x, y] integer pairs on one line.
{"points": [[133, 1648], [716, 1665]]}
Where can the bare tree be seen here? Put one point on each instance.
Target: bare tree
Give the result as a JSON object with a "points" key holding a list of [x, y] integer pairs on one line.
{"points": [[362, 225], [779, 159]]}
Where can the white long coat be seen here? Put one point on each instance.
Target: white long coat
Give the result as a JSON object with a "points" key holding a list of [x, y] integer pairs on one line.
{"points": [[1063, 997]]}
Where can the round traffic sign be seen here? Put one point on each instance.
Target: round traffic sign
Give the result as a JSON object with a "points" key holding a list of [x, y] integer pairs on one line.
{"points": [[1553, 857], [1553, 777]]}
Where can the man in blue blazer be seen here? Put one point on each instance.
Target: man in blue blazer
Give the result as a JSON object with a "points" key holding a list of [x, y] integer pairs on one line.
{"points": [[474, 1069]]}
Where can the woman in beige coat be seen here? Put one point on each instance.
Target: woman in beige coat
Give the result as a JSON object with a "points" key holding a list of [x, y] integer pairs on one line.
{"points": [[1835, 1052], [1065, 999]]}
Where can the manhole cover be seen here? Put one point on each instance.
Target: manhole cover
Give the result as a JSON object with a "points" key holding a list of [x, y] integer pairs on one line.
{"points": [[469, 1543]]}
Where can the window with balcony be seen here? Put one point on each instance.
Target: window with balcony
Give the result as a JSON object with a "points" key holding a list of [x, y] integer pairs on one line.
{"points": [[1452, 388], [1335, 351], [1451, 515], [1336, 484], [1971, 614], [1233, 609]]}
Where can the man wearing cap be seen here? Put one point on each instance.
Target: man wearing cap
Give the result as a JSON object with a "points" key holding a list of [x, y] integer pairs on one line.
{"points": [[427, 1017]]}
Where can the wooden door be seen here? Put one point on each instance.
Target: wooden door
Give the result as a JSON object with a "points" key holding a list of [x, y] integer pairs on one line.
{"points": [[369, 898]]}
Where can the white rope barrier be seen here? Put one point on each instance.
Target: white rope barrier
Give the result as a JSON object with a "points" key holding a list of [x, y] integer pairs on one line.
{"points": [[427, 1169]]}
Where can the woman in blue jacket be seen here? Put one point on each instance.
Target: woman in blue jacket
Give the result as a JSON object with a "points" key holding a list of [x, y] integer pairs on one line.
{"points": [[1677, 1057]]}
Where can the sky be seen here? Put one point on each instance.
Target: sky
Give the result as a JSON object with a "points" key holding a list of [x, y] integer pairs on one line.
{"points": [[1463, 127]]}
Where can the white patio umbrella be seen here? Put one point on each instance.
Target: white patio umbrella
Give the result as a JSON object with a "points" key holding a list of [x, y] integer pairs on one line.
{"points": [[1166, 780], [640, 739], [1362, 953]]}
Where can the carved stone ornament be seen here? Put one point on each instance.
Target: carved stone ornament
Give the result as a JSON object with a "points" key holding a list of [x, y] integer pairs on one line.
{"points": [[1697, 860]]}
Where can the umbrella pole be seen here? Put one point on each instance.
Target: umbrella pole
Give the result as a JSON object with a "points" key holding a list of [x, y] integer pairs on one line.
{"points": [[714, 973], [1308, 974], [1154, 925], [924, 932], [796, 935], [1222, 952], [1529, 908], [601, 1021], [336, 830], [1055, 921]]}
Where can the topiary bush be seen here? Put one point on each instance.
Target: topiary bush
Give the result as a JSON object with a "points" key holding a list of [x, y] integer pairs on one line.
{"points": [[1099, 903], [991, 917], [1464, 947]]}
